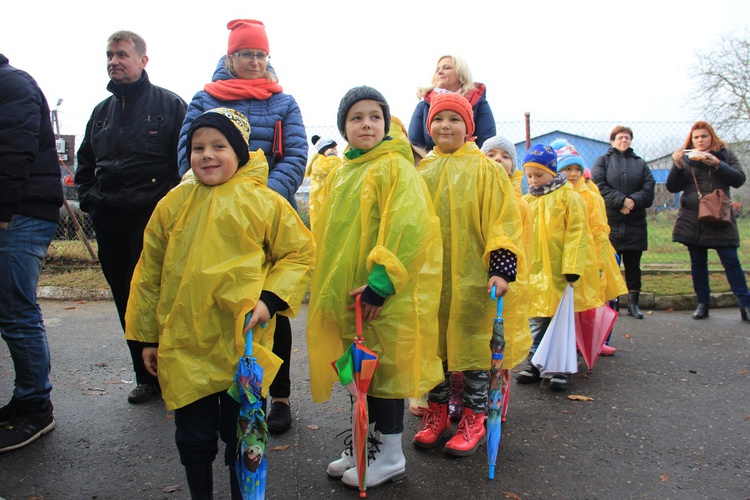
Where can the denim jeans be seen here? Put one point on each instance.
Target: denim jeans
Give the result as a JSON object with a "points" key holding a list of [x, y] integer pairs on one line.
{"points": [[22, 248], [732, 268]]}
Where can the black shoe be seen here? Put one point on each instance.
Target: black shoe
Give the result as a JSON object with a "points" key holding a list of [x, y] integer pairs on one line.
{"points": [[633, 309], [26, 428], [744, 313], [8, 411], [701, 312], [529, 375], [560, 382], [279, 419], [142, 393]]}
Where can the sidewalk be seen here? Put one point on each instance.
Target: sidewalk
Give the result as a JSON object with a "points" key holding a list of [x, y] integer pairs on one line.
{"points": [[669, 419]]}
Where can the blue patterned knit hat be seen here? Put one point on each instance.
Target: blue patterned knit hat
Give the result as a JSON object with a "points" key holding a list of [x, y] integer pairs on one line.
{"points": [[541, 156], [567, 154]]}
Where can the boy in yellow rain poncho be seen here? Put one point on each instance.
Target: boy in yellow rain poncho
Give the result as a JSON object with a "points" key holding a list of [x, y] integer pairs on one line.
{"points": [[321, 164], [218, 246], [482, 248], [562, 254], [612, 284], [376, 234]]}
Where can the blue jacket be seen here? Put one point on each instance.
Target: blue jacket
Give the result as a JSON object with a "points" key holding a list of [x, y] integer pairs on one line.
{"points": [[286, 173], [29, 168], [484, 122]]}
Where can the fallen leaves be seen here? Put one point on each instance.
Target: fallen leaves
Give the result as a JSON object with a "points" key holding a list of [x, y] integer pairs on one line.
{"points": [[743, 372], [172, 488], [664, 478], [511, 496], [578, 397], [313, 427], [627, 336], [280, 447]]}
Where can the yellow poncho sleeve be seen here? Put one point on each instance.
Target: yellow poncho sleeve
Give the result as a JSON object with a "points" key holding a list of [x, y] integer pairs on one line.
{"points": [[208, 253], [478, 213], [376, 210]]}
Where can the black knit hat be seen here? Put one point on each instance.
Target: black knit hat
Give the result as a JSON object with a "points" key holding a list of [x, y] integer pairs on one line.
{"points": [[229, 122], [355, 95]]}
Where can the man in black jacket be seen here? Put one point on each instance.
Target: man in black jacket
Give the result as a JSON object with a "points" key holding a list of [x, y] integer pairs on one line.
{"points": [[30, 200], [126, 164]]}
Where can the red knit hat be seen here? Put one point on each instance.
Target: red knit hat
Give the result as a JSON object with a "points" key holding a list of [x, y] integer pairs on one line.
{"points": [[454, 102], [247, 34]]}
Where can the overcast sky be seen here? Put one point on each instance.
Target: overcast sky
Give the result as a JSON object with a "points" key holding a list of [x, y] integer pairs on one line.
{"points": [[560, 61]]}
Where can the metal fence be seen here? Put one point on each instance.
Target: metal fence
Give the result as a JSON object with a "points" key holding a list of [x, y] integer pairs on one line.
{"points": [[653, 141]]}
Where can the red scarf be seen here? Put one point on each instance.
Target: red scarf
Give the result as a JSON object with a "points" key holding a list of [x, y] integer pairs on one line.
{"points": [[237, 89]]}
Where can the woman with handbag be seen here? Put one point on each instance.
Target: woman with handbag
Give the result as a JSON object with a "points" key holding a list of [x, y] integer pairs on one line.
{"points": [[245, 81], [702, 166]]}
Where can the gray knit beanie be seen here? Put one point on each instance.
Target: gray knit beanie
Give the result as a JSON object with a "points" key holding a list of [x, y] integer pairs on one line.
{"points": [[355, 95], [500, 142]]}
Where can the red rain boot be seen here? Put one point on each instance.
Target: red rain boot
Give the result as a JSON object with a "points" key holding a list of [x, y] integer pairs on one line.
{"points": [[470, 434], [434, 425], [607, 350]]}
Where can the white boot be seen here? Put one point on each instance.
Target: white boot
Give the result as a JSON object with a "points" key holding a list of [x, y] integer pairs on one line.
{"points": [[346, 462], [386, 462]]}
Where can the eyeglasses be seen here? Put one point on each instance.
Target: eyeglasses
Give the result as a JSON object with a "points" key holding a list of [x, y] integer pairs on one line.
{"points": [[249, 56]]}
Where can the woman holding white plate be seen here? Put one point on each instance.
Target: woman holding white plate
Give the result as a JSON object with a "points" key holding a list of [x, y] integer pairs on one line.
{"points": [[706, 157]]}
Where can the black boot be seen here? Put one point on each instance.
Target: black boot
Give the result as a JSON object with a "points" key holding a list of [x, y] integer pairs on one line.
{"points": [[200, 480], [633, 309], [745, 313], [234, 483], [701, 312]]}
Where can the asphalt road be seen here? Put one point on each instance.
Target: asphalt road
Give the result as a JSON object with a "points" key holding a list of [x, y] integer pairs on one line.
{"points": [[669, 419]]}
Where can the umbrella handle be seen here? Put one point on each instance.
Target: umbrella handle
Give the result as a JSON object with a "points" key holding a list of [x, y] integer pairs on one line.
{"points": [[358, 313], [493, 296], [249, 338]]}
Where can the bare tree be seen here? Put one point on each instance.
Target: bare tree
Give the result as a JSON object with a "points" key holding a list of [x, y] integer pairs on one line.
{"points": [[722, 75]]}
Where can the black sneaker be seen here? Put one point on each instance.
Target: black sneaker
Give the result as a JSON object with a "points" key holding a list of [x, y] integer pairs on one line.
{"points": [[529, 374], [8, 411], [26, 428], [279, 419], [560, 382], [142, 393]]}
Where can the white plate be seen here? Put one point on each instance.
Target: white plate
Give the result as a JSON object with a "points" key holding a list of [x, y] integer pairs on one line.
{"points": [[694, 154]]}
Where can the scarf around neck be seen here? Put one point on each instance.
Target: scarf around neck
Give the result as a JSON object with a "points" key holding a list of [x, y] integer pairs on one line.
{"points": [[556, 183], [237, 89]]}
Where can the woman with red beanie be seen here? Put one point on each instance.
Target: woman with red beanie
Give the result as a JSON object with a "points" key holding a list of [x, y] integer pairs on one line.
{"points": [[245, 81]]}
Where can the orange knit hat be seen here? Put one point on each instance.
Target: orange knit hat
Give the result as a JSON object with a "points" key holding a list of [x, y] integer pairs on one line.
{"points": [[454, 102], [246, 34]]}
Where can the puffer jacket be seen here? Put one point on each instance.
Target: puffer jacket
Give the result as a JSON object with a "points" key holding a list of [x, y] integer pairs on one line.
{"points": [[484, 121], [625, 175], [29, 168], [128, 159], [687, 229], [286, 173]]}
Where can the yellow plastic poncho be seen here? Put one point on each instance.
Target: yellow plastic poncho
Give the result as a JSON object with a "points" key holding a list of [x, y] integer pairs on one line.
{"points": [[516, 301], [208, 252], [317, 170], [612, 284], [478, 213], [561, 246], [376, 210]]}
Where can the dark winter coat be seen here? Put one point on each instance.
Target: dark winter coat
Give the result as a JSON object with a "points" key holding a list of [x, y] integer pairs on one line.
{"points": [[484, 121], [687, 229], [128, 159], [625, 175], [29, 169], [285, 173]]}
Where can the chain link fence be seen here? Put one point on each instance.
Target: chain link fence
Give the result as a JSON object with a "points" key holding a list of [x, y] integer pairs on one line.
{"points": [[653, 141]]}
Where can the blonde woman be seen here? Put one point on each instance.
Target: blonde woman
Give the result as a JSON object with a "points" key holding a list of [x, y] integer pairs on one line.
{"points": [[452, 74]]}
